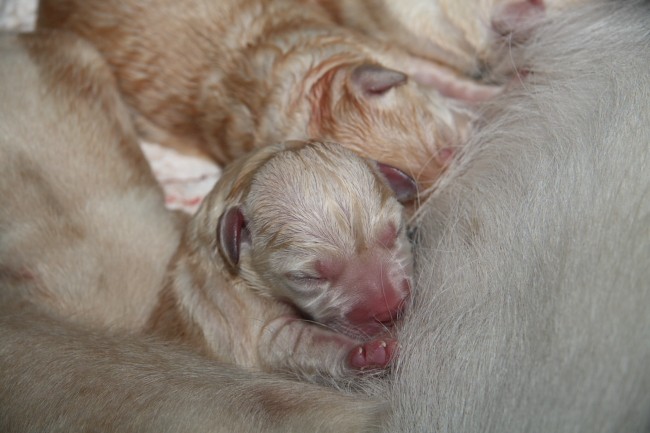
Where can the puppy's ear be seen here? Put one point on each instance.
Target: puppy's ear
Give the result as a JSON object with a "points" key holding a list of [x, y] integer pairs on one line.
{"points": [[403, 185], [375, 80], [231, 232]]}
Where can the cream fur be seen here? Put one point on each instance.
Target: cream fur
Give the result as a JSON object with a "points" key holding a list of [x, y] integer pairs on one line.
{"points": [[303, 204], [531, 306], [472, 37], [84, 242]]}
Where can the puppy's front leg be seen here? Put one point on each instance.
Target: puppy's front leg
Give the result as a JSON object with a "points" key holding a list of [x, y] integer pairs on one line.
{"points": [[297, 345]]}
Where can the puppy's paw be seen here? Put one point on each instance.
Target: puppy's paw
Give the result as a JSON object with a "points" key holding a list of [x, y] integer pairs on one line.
{"points": [[376, 354]]}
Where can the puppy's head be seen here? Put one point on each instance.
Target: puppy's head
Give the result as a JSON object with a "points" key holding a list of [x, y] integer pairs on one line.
{"points": [[322, 229], [384, 115]]}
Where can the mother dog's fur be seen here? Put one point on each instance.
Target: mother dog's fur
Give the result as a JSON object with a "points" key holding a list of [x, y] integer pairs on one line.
{"points": [[530, 312], [532, 305]]}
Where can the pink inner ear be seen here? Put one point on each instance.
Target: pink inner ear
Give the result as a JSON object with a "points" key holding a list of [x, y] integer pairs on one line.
{"points": [[231, 225], [405, 188], [375, 80]]}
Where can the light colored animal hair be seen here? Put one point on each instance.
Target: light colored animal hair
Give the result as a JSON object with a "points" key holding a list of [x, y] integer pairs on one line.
{"points": [[335, 207], [241, 286], [531, 308], [302, 184], [470, 36], [226, 77], [84, 243]]}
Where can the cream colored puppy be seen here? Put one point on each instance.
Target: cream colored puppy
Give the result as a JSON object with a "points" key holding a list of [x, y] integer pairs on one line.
{"points": [[84, 244], [473, 37], [293, 236], [468, 36], [530, 302], [76, 190]]}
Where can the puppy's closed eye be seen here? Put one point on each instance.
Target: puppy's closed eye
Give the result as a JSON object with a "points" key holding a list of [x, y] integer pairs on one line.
{"points": [[301, 277]]}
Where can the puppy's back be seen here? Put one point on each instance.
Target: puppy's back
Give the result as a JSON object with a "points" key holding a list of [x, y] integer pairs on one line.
{"points": [[83, 222], [84, 241]]}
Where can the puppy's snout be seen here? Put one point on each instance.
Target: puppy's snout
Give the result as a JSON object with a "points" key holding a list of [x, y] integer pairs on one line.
{"points": [[393, 312], [374, 314], [378, 286], [390, 315]]}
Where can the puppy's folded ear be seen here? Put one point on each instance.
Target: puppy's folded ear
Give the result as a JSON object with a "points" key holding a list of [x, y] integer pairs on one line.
{"points": [[376, 80], [231, 231], [403, 185]]}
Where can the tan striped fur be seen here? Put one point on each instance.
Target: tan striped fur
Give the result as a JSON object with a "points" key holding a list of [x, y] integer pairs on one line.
{"points": [[229, 76]]}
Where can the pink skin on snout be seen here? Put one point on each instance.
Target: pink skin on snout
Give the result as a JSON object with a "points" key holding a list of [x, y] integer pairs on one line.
{"points": [[375, 314], [382, 289], [377, 279]]}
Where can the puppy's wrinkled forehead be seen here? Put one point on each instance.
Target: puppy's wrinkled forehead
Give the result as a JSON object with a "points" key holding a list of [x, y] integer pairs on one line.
{"points": [[318, 195]]}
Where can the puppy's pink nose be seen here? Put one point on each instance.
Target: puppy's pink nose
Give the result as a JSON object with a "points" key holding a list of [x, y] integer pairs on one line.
{"points": [[374, 314], [390, 314]]}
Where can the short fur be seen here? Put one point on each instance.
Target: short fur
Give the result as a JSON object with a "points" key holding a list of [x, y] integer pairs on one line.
{"points": [[229, 76], [320, 234], [471, 36], [66, 180], [530, 309], [84, 242]]}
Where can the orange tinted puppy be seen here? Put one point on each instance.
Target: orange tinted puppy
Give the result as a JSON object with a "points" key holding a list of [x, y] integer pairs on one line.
{"points": [[230, 76]]}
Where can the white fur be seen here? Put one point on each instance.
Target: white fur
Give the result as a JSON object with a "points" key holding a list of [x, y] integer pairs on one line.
{"points": [[532, 306]]}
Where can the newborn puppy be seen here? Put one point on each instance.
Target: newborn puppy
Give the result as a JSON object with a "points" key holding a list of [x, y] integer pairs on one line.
{"points": [[293, 237], [473, 37], [229, 76], [84, 245]]}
